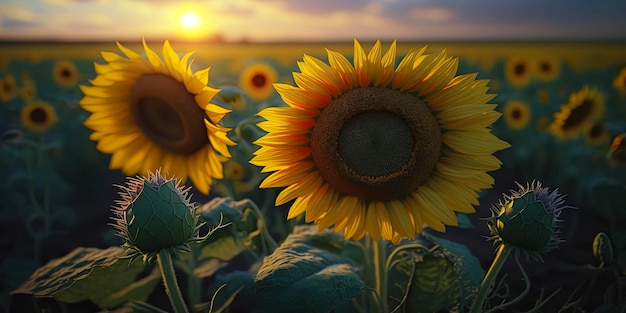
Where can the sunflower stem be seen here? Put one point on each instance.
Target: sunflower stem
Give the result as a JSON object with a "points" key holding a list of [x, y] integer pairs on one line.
{"points": [[380, 272], [164, 259], [492, 273], [265, 234]]}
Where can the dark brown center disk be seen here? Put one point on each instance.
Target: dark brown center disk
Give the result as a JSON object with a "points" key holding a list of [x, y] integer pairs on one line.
{"points": [[375, 143], [168, 114]]}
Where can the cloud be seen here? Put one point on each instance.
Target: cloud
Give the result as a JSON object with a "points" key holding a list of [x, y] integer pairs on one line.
{"points": [[16, 13], [319, 7], [17, 23]]}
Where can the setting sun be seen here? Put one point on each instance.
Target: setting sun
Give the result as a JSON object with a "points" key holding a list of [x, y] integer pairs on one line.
{"points": [[190, 20]]}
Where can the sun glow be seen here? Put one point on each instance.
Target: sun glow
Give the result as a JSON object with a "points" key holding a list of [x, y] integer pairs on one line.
{"points": [[190, 21]]}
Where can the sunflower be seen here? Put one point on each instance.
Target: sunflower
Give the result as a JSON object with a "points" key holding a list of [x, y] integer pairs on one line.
{"points": [[154, 112], [518, 71], [516, 114], [65, 74], [583, 108], [547, 68], [617, 150], [543, 96], [596, 134], [8, 88], [234, 171], [38, 116], [371, 147], [257, 79], [28, 92], [619, 83]]}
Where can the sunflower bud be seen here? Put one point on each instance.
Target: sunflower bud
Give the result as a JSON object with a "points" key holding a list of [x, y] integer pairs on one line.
{"points": [[155, 214], [602, 249], [528, 219]]}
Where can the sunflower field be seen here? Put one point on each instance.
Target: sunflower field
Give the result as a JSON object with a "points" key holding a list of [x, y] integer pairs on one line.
{"points": [[313, 177]]}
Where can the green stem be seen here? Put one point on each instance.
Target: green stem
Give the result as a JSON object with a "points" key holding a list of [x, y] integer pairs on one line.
{"points": [[194, 283], [380, 273], [492, 273], [164, 259], [267, 237]]}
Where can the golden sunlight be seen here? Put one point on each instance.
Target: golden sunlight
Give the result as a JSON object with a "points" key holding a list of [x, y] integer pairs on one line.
{"points": [[190, 20]]}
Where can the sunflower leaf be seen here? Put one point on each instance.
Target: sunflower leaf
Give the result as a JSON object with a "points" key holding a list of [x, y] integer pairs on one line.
{"points": [[440, 275], [306, 274], [242, 231], [90, 274]]}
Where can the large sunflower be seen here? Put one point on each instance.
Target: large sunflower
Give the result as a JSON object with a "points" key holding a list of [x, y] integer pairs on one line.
{"points": [[374, 147], [152, 113], [583, 108]]}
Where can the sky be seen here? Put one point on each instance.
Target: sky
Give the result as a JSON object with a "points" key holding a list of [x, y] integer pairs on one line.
{"points": [[312, 20]]}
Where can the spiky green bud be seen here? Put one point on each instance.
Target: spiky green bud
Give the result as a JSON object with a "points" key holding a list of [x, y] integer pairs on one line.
{"points": [[155, 213], [528, 219]]}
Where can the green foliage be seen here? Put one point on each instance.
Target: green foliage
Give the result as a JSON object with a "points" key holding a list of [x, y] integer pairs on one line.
{"points": [[243, 230], [90, 274], [306, 274], [433, 274]]}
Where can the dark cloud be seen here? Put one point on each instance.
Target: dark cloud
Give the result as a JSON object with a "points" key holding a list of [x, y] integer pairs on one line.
{"points": [[520, 19], [319, 7], [8, 22]]}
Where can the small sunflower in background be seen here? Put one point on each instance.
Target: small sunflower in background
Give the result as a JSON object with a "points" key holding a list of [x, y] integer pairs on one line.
{"points": [[596, 134], [518, 71], [28, 91], [543, 124], [617, 150], [152, 112], [543, 96], [65, 74], [38, 116], [516, 114], [583, 108], [257, 80], [619, 83], [8, 88], [547, 68], [371, 147]]}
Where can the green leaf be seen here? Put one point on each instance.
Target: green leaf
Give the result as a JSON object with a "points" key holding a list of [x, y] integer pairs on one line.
{"points": [[227, 242], [466, 264], [437, 274], [137, 307], [464, 221], [305, 274], [90, 274]]}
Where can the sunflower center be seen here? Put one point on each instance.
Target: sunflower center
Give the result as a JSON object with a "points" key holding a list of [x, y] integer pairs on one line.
{"points": [[38, 116], [545, 67], [596, 131], [516, 114], [258, 80], [168, 114], [578, 114], [376, 143], [519, 69], [364, 143], [66, 73]]}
